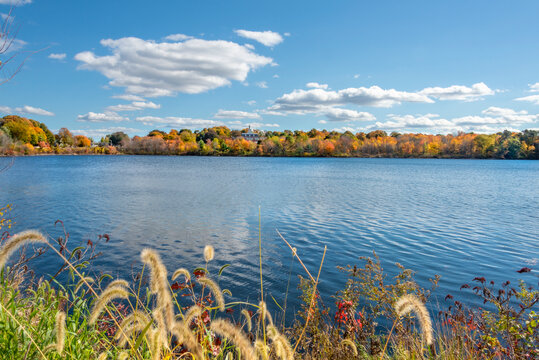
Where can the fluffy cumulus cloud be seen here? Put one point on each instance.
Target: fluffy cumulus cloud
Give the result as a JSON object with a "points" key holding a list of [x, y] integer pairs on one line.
{"points": [[459, 92], [178, 122], [134, 106], [534, 87], [128, 97], [339, 114], [108, 116], [491, 120], [99, 133], [236, 114], [316, 85], [267, 38], [262, 84], [26, 109], [151, 69], [57, 56], [309, 101]]}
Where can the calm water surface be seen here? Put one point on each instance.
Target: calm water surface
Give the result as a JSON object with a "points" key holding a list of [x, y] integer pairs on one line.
{"points": [[456, 218]]}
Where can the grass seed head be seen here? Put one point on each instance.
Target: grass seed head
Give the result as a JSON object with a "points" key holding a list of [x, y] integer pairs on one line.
{"points": [[209, 252], [226, 329], [409, 303], [18, 240]]}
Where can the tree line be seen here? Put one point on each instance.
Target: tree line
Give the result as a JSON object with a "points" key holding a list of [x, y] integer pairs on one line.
{"points": [[22, 136]]}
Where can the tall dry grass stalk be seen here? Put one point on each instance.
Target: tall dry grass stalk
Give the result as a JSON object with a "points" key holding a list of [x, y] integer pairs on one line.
{"points": [[84, 280], [159, 285], [227, 330], [411, 303], [216, 291], [60, 326], [18, 240]]}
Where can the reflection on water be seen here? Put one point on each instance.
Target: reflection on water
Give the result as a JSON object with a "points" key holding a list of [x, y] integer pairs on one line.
{"points": [[457, 218]]}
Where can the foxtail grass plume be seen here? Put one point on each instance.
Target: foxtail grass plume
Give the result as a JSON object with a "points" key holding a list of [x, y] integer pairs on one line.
{"points": [[409, 303], [159, 285], [103, 356], [209, 251], [350, 344], [181, 271], [227, 330], [155, 343], [248, 321], [102, 301], [193, 312], [282, 346], [186, 338], [124, 355], [136, 321], [18, 240], [60, 331], [217, 294], [261, 349], [118, 283], [264, 313]]}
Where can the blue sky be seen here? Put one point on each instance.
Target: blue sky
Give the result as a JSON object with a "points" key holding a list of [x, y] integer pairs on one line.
{"points": [[407, 66]]}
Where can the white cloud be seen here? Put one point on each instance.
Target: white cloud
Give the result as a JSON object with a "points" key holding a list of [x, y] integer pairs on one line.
{"points": [[33, 111], [57, 56], [178, 37], [181, 122], [152, 69], [316, 85], [492, 120], [26, 109], [267, 38], [534, 99], [15, 2], [98, 133], [534, 87], [134, 106], [356, 76], [275, 76], [309, 101], [459, 92], [101, 117], [235, 114], [339, 114], [129, 97], [251, 102], [249, 46], [262, 84]]}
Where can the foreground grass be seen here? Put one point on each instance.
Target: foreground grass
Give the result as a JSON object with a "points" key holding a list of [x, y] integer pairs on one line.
{"points": [[184, 315]]}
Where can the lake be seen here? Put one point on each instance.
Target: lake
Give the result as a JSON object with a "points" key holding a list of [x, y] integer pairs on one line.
{"points": [[456, 218]]}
